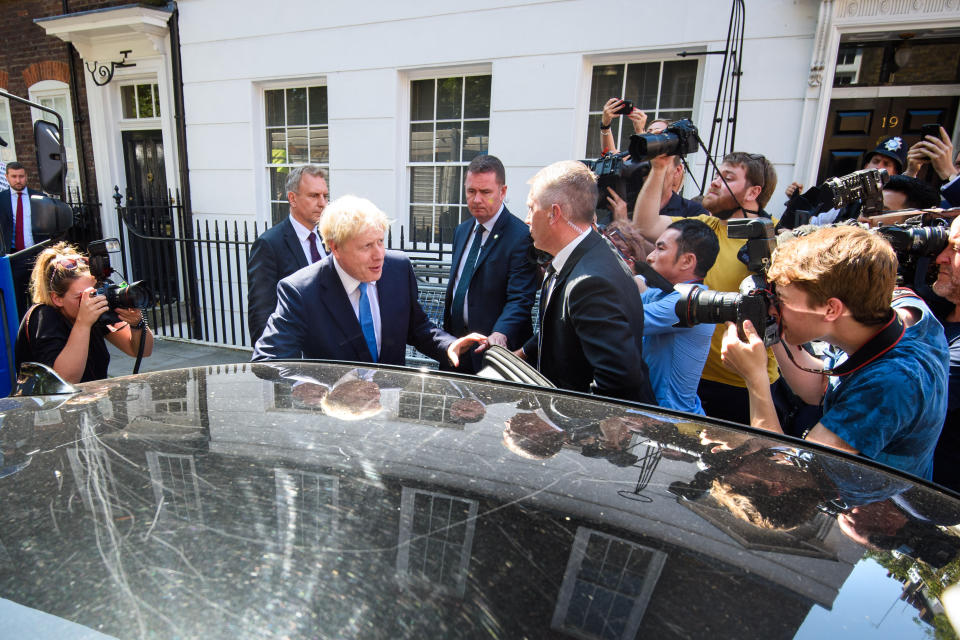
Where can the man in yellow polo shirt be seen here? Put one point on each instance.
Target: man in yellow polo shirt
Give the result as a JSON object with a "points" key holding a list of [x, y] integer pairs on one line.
{"points": [[750, 180]]}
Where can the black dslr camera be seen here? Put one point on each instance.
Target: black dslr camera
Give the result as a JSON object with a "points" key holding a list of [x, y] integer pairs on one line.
{"points": [[755, 298], [678, 139], [917, 243], [626, 177], [119, 296]]}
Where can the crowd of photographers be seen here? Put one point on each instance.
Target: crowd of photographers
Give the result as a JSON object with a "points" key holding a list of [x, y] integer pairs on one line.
{"points": [[832, 331]]}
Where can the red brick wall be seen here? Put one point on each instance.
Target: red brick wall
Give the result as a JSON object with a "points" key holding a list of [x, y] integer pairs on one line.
{"points": [[27, 56]]}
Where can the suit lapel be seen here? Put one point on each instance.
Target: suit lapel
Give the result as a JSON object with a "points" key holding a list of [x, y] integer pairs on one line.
{"points": [[293, 243], [334, 296], [568, 266]]}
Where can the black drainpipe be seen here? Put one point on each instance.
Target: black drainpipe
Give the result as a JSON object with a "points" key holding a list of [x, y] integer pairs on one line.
{"points": [[77, 120], [186, 219]]}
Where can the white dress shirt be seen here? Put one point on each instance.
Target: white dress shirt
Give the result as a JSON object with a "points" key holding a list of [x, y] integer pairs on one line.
{"points": [[487, 229], [303, 234], [352, 286], [27, 219], [561, 258]]}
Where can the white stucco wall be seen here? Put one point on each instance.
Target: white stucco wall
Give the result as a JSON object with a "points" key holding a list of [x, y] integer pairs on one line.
{"points": [[540, 55]]}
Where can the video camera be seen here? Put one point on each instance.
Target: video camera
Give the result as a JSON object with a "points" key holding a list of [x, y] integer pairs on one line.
{"points": [[755, 297], [119, 296], [619, 171], [864, 186]]}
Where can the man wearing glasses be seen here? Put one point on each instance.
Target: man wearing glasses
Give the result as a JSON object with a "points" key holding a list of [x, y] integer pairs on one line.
{"points": [[740, 190]]}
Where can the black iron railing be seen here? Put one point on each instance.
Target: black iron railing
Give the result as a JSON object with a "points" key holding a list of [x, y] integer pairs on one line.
{"points": [[198, 271], [86, 220]]}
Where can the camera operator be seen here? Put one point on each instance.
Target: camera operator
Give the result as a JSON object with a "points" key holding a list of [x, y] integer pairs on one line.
{"points": [[740, 190], [938, 153], [884, 386], [946, 470], [61, 329], [904, 192], [676, 355]]}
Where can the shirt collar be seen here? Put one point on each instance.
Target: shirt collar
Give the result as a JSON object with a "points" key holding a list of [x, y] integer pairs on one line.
{"points": [[302, 231], [350, 283], [561, 258]]}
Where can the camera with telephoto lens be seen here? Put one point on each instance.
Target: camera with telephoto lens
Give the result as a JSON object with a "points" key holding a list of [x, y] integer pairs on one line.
{"points": [[864, 186], [135, 295], [917, 242], [625, 176], [754, 299], [678, 139]]}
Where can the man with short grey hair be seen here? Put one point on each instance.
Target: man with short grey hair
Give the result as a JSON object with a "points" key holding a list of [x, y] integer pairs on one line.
{"points": [[591, 315], [286, 247]]}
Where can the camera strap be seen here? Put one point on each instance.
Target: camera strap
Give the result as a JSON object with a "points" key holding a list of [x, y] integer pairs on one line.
{"points": [[885, 339]]}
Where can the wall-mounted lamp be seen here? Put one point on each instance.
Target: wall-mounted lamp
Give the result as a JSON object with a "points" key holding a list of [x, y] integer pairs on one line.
{"points": [[102, 74]]}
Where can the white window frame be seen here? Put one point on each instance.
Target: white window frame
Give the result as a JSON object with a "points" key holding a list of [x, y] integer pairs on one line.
{"points": [[9, 152], [154, 121], [407, 78], [661, 56], [264, 201], [56, 89]]}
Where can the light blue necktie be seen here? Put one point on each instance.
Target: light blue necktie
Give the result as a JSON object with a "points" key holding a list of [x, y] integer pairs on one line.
{"points": [[366, 322]]}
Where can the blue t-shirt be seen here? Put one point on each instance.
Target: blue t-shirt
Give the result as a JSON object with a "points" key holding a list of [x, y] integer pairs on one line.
{"points": [[675, 356], [892, 410]]}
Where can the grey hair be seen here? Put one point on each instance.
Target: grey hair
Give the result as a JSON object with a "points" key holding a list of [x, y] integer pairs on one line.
{"points": [[293, 180], [571, 185]]}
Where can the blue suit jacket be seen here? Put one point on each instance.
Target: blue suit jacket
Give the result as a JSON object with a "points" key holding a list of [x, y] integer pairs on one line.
{"points": [[951, 195], [274, 256], [314, 318], [504, 283], [6, 217]]}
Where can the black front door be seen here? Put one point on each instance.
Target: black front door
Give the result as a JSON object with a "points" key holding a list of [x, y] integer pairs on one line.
{"points": [[150, 212], [856, 126]]}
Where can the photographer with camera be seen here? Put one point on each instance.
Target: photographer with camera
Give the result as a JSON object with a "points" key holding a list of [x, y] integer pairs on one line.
{"points": [[884, 385], [64, 329], [740, 190], [614, 108]]}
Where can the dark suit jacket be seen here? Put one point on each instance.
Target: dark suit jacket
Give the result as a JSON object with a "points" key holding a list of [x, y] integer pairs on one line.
{"points": [[592, 328], [6, 217], [503, 287], [274, 256], [951, 195], [314, 318]]}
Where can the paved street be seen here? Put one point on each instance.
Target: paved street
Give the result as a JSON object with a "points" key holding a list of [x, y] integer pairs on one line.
{"points": [[175, 354]]}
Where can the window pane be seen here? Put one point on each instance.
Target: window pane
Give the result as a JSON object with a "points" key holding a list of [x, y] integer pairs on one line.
{"points": [[448, 142], [276, 146], [156, 101], [642, 81], [447, 220], [449, 98], [278, 183], [448, 185], [273, 100], [319, 145], [679, 84], [318, 105], [607, 83], [593, 136], [279, 211], [421, 100], [421, 184], [421, 223], [675, 115], [477, 96], [421, 142], [296, 106], [476, 139], [297, 144], [144, 101], [129, 102]]}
